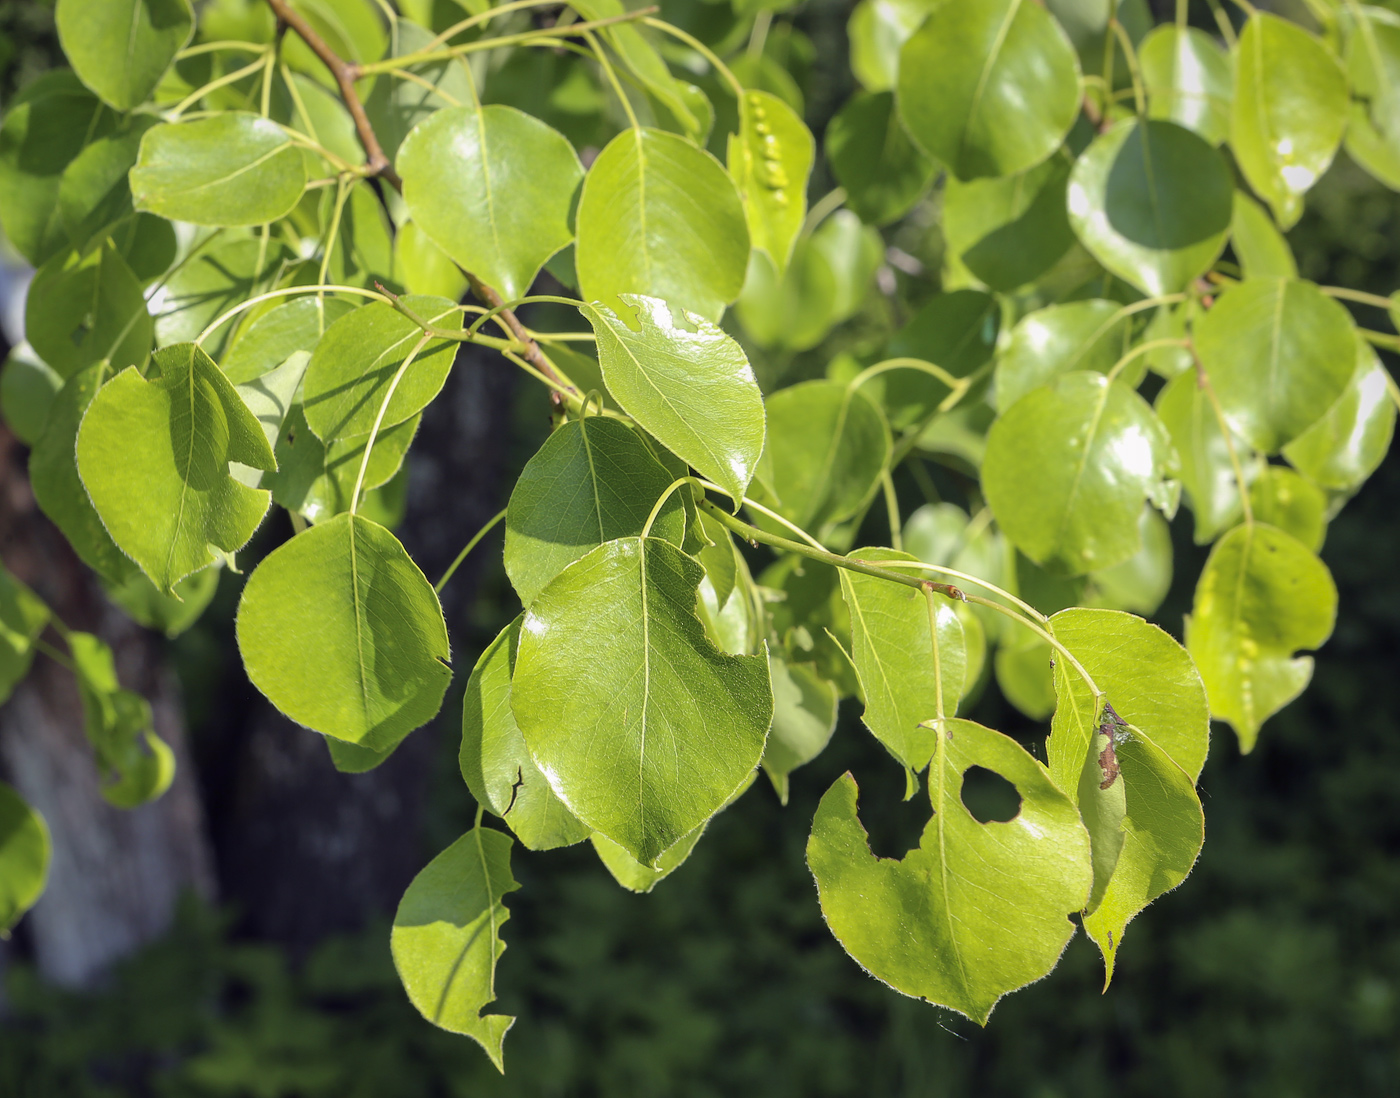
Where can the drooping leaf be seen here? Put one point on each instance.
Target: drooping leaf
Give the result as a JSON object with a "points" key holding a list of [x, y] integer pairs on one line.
{"points": [[153, 456], [495, 762], [1260, 247], [1189, 80], [592, 481], [231, 168], [82, 310], [25, 850], [170, 614], [660, 217], [447, 937], [905, 663], [630, 873], [1279, 353], [1152, 202], [883, 171], [989, 88], [23, 616], [686, 382], [804, 717], [976, 910], [1280, 497], [1068, 468], [280, 333], [357, 359], [1261, 597], [828, 445], [652, 734], [493, 188], [1010, 230], [1207, 475], [1289, 112], [121, 48], [1079, 335], [341, 631], [1343, 448], [770, 159]]}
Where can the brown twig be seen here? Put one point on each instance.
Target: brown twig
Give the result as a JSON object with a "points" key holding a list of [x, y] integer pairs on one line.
{"points": [[345, 73]]}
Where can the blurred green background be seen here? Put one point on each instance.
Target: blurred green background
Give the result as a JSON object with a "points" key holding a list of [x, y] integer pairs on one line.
{"points": [[1274, 971]]}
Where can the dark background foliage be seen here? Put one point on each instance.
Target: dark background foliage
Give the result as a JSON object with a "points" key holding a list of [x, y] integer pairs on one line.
{"points": [[1275, 970]]}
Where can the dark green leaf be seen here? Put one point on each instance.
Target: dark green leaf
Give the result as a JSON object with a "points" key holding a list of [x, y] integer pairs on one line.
{"points": [[883, 171], [86, 310], [1009, 231]]}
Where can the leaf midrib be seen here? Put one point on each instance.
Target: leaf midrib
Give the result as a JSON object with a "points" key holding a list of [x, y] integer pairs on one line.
{"points": [[1003, 32]]}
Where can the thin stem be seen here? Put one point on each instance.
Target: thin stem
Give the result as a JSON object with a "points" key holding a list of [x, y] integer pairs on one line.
{"points": [[918, 565], [892, 512], [674, 486], [758, 37], [1222, 21], [484, 17], [211, 47], [704, 51], [476, 540], [1181, 13], [563, 337], [1246, 7], [906, 364], [268, 70], [568, 395], [1130, 56], [56, 654], [342, 191], [1358, 296], [829, 203], [769, 513], [602, 56], [1046, 635], [1380, 339], [378, 419], [937, 663], [1142, 349], [531, 299], [214, 85], [288, 292], [1203, 381], [414, 78]]}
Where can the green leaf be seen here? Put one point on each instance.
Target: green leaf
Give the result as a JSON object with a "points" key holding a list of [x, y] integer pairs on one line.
{"points": [[1023, 672], [424, 268], [231, 168], [1261, 597], [1009, 231], [1141, 582], [883, 171], [153, 456], [770, 159], [630, 873], [1289, 112], [878, 30], [810, 619], [719, 558], [364, 250], [1152, 202], [1343, 448], [136, 765], [93, 195], [1281, 498], [1068, 468], [989, 88], [121, 48], [653, 732], [1279, 353], [495, 762], [660, 217], [23, 616], [355, 363], [1373, 69], [447, 937], [396, 106], [592, 481], [804, 717], [28, 388], [1189, 80], [211, 281], [1081, 335], [280, 333], [25, 850], [827, 446], [976, 910], [85, 310], [905, 664], [170, 614], [1207, 474], [1260, 247], [339, 629], [270, 397], [493, 188], [686, 382]]}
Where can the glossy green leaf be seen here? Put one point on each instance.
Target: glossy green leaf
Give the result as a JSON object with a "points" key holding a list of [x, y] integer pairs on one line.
{"points": [[1081, 335], [1207, 475], [424, 268], [1343, 448], [592, 481], [1373, 70], [652, 734], [121, 48], [1009, 231], [493, 188], [804, 717], [170, 614], [1152, 202], [213, 280], [660, 217], [883, 171], [827, 447], [1280, 497], [1289, 112], [686, 382], [495, 762], [86, 310], [1261, 597], [1279, 353], [1068, 468], [1262, 250], [28, 388], [770, 159], [905, 663], [25, 850], [1140, 583], [356, 361], [925, 924], [280, 333], [630, 873], [154, 454], [343, 634], [23, 616], [134, 763], [878, 30], [990, 88], [354, 29], [447, 937], [1189, 80], [719, 558], [227, 169]]}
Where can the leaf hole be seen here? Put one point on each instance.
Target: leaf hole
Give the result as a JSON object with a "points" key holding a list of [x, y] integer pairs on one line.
{"points": [[988, 796]]}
